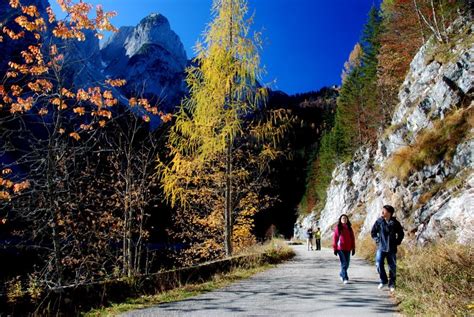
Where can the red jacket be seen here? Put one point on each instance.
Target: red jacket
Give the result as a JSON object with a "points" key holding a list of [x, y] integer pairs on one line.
{"points": [[343, 240]]}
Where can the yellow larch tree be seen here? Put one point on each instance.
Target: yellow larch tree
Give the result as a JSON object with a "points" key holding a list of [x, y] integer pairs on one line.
{"points": [[211, 123]]}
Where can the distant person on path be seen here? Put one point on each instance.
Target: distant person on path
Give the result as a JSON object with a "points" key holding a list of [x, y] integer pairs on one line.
{"points": [[388, 234], [317, 236], [343, 245], [309, 235]]}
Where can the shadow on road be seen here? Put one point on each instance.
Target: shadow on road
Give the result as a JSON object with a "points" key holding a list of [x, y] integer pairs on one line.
{"points": [[307, 285]]}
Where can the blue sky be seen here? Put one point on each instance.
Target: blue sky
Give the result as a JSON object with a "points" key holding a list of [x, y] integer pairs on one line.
{"points": [[306, 42]]}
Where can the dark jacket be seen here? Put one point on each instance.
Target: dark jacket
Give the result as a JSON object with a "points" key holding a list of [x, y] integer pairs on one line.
{"points": [[387, 235]]}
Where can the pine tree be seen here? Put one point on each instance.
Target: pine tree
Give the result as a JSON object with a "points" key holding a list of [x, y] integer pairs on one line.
{"points": [[358, 108], [372, 113], [359, 114], [350, 116]]}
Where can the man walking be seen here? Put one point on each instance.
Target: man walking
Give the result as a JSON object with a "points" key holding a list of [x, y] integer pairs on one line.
{"points": [[388, 234]]}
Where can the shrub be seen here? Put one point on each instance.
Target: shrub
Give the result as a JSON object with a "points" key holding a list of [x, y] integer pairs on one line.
{"points": [[14, 289]]}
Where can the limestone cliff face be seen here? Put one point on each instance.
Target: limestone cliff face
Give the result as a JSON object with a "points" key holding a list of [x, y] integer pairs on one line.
{"points": [[151, 57], [431, 90]]}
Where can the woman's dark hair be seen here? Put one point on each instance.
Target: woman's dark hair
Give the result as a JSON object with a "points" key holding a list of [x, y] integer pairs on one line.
{"points": [[339, 224], [389, 208]]}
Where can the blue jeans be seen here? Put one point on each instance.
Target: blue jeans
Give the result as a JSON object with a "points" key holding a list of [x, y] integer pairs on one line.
{"points": [[345, 258], [392, 266]]}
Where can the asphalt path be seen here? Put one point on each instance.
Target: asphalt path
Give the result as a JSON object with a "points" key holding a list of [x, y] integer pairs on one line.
{"points": [[307, 285]]}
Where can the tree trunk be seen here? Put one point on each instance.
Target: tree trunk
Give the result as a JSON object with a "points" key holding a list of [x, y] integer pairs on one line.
{"points": [[53, 210], [228, 167], [228, 201]]}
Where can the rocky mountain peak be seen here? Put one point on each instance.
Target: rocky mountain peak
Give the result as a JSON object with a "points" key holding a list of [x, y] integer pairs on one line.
{"points": [[151, 57], [115, 43], [153, 29]]}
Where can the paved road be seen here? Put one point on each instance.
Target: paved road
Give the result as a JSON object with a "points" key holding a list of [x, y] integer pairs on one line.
{"points": [[308, 285]]}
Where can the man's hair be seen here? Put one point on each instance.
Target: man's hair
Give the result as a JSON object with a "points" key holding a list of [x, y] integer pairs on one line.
{"points": [[390, 209]]}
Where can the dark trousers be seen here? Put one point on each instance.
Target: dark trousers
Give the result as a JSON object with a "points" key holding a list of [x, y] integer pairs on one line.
{"points": [[345, 258], [318, 244], [391, 257]]}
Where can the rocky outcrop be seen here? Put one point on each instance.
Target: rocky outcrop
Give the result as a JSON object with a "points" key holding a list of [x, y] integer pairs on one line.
{"points": [[151, 58], [436, 201]]}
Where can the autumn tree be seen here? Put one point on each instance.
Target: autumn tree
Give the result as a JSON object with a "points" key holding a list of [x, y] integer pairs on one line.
{"points": [[41, 116], [132, 150], [406, 26], [402, 36], [223, 92], [199, 223], [60, 160], [437, 15]]}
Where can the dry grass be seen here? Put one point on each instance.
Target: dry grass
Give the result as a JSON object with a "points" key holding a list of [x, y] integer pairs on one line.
{"points": [[444, 52], [425, 197], [357, 224], [437, 280], [273, 251], [366, 248], [432, 145]]}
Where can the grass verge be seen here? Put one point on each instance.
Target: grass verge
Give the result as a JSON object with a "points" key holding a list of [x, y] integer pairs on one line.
{"points": [[273, 252], [436, 280]]}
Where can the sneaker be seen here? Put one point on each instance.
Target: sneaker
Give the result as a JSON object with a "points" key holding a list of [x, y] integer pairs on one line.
{"points": [[392, 289], [345, 282], [381, 285]]}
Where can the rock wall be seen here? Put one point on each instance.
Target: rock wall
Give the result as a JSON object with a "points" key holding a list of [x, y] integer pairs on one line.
{"points": [[360, 188]]}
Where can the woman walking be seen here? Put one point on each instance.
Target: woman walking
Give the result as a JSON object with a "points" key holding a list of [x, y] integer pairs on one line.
{"points": [[309, 236], [343, 245]]}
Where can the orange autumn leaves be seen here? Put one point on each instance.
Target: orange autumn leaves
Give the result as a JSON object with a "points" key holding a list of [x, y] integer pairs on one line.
{"points": [[31, 84], [133, 102], [36, 66], [7, 185], [79, 20]]}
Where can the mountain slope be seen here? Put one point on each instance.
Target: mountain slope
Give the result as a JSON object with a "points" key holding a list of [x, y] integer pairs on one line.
{"points": [[423, 163]]}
